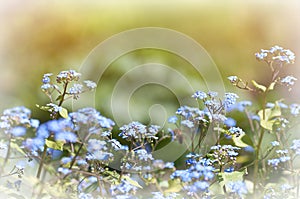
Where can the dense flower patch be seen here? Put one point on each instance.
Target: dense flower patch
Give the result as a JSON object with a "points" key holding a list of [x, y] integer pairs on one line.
{"points": [[77, 155]]}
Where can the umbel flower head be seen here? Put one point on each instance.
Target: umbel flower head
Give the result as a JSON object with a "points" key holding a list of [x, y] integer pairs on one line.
{"points": [[277, 54], [15, 121]]}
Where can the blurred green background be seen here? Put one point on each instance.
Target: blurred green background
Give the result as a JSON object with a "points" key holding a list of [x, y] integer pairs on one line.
{"points": [[38, 37]]}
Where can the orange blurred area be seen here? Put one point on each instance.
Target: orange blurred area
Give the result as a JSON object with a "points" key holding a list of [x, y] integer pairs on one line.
{"points": [[38, 37]]}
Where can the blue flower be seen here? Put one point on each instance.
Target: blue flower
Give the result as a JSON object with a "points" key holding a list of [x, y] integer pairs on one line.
{"points": [[95, 145], [124, 187], [190, 161], [255, 117], [143, 155], [199, 95], [46, 78], [105, 122], [276, 53], [202, 185], [62, 130], [67, 76], [81, 162], [249, 149], [187, 123], [296, 146], [173, 136], [275, 143], [99, 155], [153, 130], [92, 119], [288, 80], [138, 131], [98, 150], [46, 87], [212, 94], [34, 144], [169, 165], [261, 55], [236, 131], [18, 131], [66, 136], [295, 109], [284, 158], [19, 116], [197, 170], [238, 187], [230, 122], [34, 123], [90, 84], [172, 119], [274, 162], [76, 90], [286, 187], [159, 195], [240, 106], [55, 108], [66, 160], [233, 79], [64, 171], [230, 99], [43, 131], [229, 169], [117, 145]]}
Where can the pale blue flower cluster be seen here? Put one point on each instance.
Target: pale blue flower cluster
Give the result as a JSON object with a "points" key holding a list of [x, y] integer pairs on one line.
{"points": [[197, 177], [124, 188], [138, 131], [276, 53], [15, 121], [236, 131], [238, 188], [288, 80]]}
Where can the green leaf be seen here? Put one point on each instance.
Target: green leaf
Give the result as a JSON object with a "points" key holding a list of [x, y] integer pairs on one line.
{"points": [[276, 111], [264, 119], [267, 120], [132, 182], [174, 186], [259, 86], [238, 141], [44, 108], [59, 98], [272, 85], [57, 145], [91, 188], [164, 183], [17, 147], [231, 177], [267, 124], [63, 112]]}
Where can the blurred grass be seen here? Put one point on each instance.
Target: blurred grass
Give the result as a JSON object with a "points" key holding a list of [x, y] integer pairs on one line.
{"points": [[39, 37]]}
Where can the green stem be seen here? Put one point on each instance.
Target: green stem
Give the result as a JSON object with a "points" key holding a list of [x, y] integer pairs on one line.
{"points": [[7, 155], [297, 178], [76, 155], [44, 154], [100, 186], [64, 93], [260, 139], [42, 162]]}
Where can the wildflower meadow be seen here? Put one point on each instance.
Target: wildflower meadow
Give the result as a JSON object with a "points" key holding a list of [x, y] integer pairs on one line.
{"points": [[233, 147]]}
